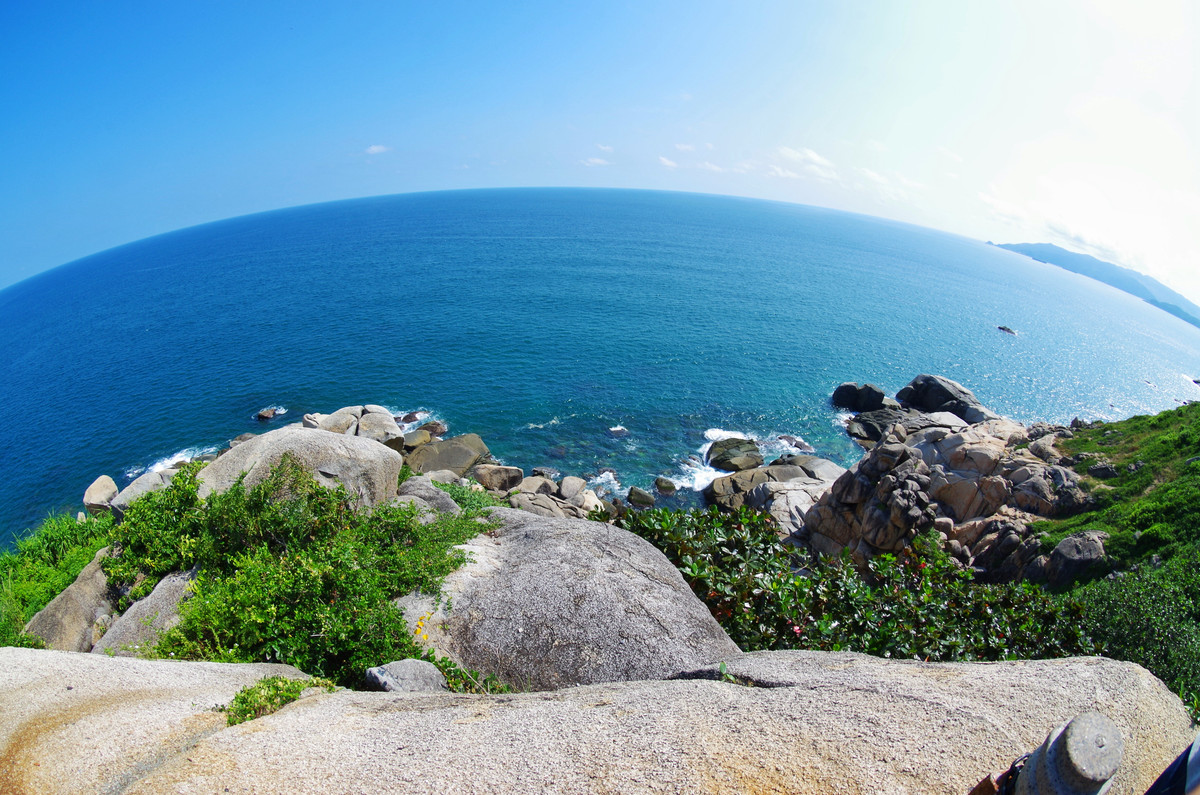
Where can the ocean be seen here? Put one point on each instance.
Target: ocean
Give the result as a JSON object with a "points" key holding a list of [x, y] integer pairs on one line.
{"points": [[605, 333]]}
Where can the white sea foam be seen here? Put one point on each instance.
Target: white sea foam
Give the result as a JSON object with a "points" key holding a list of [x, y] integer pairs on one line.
{"points": [[186, 454], [539, 425], [607, 484], [696, 474]]}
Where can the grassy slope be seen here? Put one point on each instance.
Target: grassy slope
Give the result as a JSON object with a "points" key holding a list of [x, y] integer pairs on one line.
{"points": [[1152, 507]]}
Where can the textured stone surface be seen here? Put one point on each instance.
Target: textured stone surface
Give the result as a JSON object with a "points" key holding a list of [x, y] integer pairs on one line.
{"points": [[817, 723], [457, 454], [98, 496], [422, 487], [406, 676], [496, 477], [68, 623], [366, 468], [546, 603], [140, 625]]}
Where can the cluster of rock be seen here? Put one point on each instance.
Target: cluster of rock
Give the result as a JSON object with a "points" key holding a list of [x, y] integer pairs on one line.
{"points": [[942, 460], [547, 602]]}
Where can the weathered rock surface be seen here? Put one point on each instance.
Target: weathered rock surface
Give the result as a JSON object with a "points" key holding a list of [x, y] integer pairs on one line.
{"points": [[381, 427], [406, 676], [497, 478], [929, 393], [139, 626], [422, 487], [68, 623], [547, 603], [1073, 556], [98, 497], [807, 478], [929, 468], [734, 455], [817, 723], [457, 454], [367, 469]]}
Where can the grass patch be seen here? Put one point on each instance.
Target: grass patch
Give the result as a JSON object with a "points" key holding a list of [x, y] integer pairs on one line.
{"points": [[43, 564], [291, 572], [269, 695], [914, 605], [1152, 506]]}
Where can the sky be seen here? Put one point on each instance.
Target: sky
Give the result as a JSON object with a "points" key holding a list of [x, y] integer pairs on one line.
{"points": [[1074, 122]]}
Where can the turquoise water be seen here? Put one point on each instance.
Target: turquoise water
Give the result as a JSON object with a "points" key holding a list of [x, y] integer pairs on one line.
{"points": [[541, 318]]}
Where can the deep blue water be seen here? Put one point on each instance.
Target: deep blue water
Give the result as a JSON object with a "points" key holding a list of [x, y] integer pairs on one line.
{"points": [[539, 318]]}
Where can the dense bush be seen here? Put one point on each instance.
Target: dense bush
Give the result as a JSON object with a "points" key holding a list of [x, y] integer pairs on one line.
{"points": [[289, 571], [43, 564], [1151, 616], [915, 605]]}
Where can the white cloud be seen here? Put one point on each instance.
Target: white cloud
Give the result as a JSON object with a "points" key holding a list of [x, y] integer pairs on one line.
{"points": [[811, 163], [774, 170], [595, 161], [707, 166], [685, 147], [944, 152], [667, 162], [878, 179], [376, 149], [604, 147]]}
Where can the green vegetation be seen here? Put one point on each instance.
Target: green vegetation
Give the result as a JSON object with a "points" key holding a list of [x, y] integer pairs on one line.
{"points": [[289, 571], [269, 695], [1151, 616], [45, 562], [1152, 505], [915, 605]]}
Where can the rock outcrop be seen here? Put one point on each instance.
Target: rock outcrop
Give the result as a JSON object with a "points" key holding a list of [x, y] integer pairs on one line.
{"points": [[971, 478], [813, 723], [366, 468], [547, 603], [457, 454], [99, 495], [138, 628], [74, 619]]}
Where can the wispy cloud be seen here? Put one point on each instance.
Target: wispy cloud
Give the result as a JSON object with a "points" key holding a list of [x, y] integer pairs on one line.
{"points": [[707, 166], [604, 147], [685, 147], [944, 152], [810, 163], [775, 170], [595, 161], [376, 149], [878, 179], [667, 162]]}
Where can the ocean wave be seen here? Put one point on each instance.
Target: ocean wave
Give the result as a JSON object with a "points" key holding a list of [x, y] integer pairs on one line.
{"points": [[167, 462], [696, 474], [607, 484]]}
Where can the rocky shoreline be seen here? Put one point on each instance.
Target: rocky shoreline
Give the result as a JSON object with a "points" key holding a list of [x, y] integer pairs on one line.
{"points": [[598, 631], [936, 458]]}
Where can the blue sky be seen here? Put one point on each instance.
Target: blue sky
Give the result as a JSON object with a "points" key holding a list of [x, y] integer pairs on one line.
{"points": [[1075, 122]]}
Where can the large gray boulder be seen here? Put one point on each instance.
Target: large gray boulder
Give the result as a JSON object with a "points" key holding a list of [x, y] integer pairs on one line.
{"points": [[422, 488], [457, 454], [406, 676], [812, 723], [545, 603], [1074, 555], [497, 478], [138, 628], [98, 497], [367, 469], [382, 428], [68, 623]]}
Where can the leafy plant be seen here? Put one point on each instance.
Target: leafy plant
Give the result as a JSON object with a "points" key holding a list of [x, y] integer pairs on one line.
{"points": [[43, 564], [290, 571], [917, 604], [269, 695]]}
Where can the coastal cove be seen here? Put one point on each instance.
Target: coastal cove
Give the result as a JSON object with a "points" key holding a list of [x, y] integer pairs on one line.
{"points": [[541, 319]]}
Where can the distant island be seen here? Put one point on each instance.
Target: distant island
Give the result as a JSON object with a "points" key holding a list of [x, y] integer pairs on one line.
{"points": [[1149, 290]]}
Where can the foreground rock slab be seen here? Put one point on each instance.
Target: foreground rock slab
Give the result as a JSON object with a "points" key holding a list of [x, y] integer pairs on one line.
{"points": [[813, 723], [91, 723]]}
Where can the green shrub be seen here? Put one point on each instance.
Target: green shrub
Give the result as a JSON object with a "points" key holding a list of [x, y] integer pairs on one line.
{"points": [[269, 695], [1151, 617], [290, 571], [918, 604]]}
